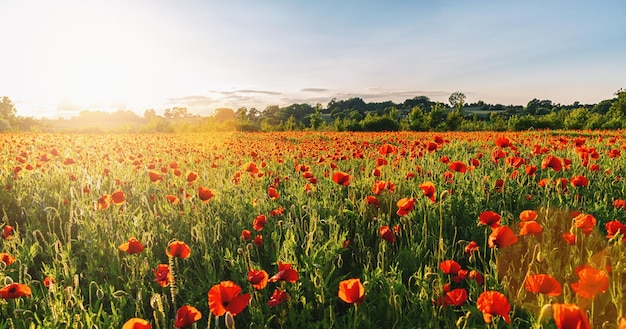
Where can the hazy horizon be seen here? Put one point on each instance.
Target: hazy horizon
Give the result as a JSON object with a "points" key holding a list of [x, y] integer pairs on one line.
{"points": [[68, 56]]}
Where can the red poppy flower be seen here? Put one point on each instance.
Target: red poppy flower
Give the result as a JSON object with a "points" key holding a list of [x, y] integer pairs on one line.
{"points": [[503, 142], [405, 206], [454, 297], [372, 200], [570, 316], [527, 215], [258, 278], [530, 228], [615, 227], [136, 323], [15, 290], [246, 235], [449, 266], [178, 249], [471, 248], [258, 240], [489, 218], [578, 181], [429, 190], [387, 234], [543, 284], [250, 167], [387, 149], [49, 281], [7, 232], [531, 170], [551, 162], [118, 197], [498, 154], [619, 204], [155, 176], [259, 222], [277, 212], [133, 246], [272, 193], [502, 237], [7, 259], [191, 176], [226, 297], [278, 297], [162, 275], [493, 303], [351, 291], [590, 281], [476, 276], [285, 273], [585, 222], [341, 178], [205, 194], [186, 316], [458, 166], [570, 238]]}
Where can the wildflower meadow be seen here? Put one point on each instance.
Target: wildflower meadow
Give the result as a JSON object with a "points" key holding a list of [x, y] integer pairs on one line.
{"points": [[313, 230]]}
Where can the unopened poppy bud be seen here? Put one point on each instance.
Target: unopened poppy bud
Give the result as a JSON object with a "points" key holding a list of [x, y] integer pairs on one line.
{"points": [[249, 246], [240, 251], [100, 293], [546, 313], [280, 223], [540, 257], [229, 320], [444, 194]]}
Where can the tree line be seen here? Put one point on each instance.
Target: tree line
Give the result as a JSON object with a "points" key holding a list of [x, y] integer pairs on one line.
{"points": [[417, 114]]}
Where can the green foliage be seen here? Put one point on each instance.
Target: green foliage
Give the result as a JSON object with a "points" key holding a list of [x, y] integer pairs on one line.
{"points": [[379, 123]]}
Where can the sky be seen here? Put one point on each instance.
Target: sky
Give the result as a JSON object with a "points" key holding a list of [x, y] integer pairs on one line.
{"points": [[61, 57]]}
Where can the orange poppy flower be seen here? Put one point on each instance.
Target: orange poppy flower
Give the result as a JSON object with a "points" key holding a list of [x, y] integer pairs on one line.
{"points": [[502, 237], [250, 167], [277, 212], [7, 232], [133, 246], [387, 234], [205, 194], [258, 278], [174, 200], [450, 266], [614, 228], [622, 323], [503, 142], [258, 240], [454, 297], [405, 206], [590, 281], [570, 316], [585, 222], [162, 275], [476, 276], [387, 149], [7, 259], [531, 170], [351, 291], [341, 178], [136, 323], [578, 181], [259, 222], [226, 297], [285, 273], [278, 297], [429, 190], [118, 197], [178, 249], [493, 303], [489, 218], [527, 215], [186, 316], [15, 290], [103, 202], [530, 227], [543, 284], [49, 281], [570, 238], [272, 193]]}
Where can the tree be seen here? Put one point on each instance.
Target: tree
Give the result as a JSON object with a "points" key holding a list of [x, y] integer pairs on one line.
{"points": [[149, 113], [7, 112], [457, 100], [179, 112], [618, 107], [223, 114], [316, 118], [168, 114], [418, 121], [242, 114], [437, 116]]}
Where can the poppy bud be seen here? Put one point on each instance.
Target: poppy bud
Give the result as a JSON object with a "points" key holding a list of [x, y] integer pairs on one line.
{"points": [[240, 251]]}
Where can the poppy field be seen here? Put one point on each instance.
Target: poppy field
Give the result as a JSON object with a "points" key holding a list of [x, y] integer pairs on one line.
{"points": [[313, 230]]}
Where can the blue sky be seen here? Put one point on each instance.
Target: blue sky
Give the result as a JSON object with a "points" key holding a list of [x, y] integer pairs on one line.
{"points": [[66, 56]]}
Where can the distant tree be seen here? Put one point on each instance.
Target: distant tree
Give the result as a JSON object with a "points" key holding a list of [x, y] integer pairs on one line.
{"points": [[7, 112], [454, 119], [602, 107], [618, 107], [149, 113], [437, 116], [224, 114], [457, 100], [242, 114], [316, 118], [253, 114], [418, 121], [422, 101], [497, 122], [168, 114], [179, 112], [577, 119]]}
